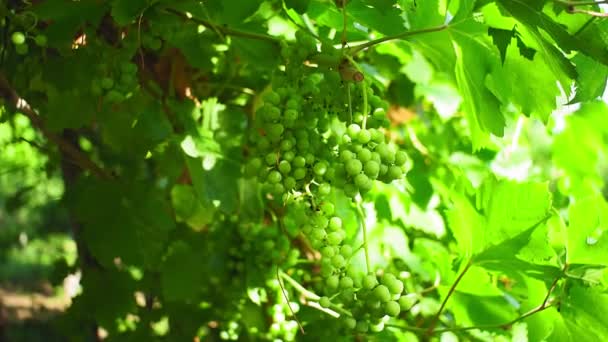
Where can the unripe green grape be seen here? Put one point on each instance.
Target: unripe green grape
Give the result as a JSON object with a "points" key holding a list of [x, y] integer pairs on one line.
{"points": [[383, 169], [353, 167], [328, 251], [278, 189], [392, 308], [361, 181], [263, 143], [379, 114], [364, 155], [319, 233], [291, 115], [328, 209], [324, 189], [346, 283], [369, 282], [372, 169], [321, 221], [382, 293], [324, 302], [387, 153], [400, 158], [18, 38], [335, 238], [292, 104], [350, 323], [107, 83], [406, 302], [40, 40], [362, 326], [271, 158], [376, 157], [289, 155], [275, 130], [286, 145], [289, 183], [299, 173], [272, 97], [274, 177], [320, 168], [345, 156], [306, 229], [96, 88], [364, 136], [395, 287], [351, 190], [387, 279], [284, 167], [253, 166], [310, 158], [332, 282], [335, 223], [346, 251], [299, 161], [353, 131], [338, 261], [394, 172], [376, 135], [113, 96]]}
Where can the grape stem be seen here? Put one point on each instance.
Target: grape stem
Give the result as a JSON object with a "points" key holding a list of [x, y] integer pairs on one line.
{"points": [[288, 303], [356, 49], [365, 109], [306, 293], [364, 229]]}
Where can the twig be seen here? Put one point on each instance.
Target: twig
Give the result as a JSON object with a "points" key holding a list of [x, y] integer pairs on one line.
{"points": [[306, 293], [223, 29], [79, 158], [573, 10], [431, 327], [364, 229], [356, 49], [580, 3], [288, 303]]}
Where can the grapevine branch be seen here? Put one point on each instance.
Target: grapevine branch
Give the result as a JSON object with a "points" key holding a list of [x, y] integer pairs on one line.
{"points": [[356, 49], [431, 327], [223, 29], [10, 95], [580, 3]]}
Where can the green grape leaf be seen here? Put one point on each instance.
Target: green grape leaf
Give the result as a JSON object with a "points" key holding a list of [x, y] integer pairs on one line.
{"points": [[386, 20], [517, 83], [591, 80], [188, 208], [126, 221], [181, 273], [474, 61], [125, 12], [532, 16], [588, 232], [502, 39], [99, 285], [213, 181], [584, 314]]}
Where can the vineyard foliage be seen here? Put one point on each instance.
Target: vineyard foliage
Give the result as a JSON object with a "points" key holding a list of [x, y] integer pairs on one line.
{"points": [[312, 170]]}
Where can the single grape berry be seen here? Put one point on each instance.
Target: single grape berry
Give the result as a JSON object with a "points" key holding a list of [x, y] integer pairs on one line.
{"points": [[382, 293], [369, 282], [40, 40], [354, 167], [392, 308], [324, 302], [274, 177], [18, 38]]}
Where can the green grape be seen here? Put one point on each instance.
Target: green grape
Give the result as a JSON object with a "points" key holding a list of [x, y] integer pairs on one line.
{"points": [[392, 308], [271, 158], [320, 168], [369, 282], [328, 251], [107, 83], [299, 173], [361, 181], [40, 40], [328, 209], [372, 169], [274, 177], [350, 323], [346, 251], [364, 155], [394, 172], [272, 97], [338, 261], [334, 238], [362, 326], [400, 158], [353, 167], [18, 38], [346, 282], [364, 136], [22, 49], [289, 156], [335, 223], [332, 282], [319, 234], [289, 183], [353, 131], [324, 189], [299, 161], [345, 156], [324, 302], [382, 293], [284, 167]]}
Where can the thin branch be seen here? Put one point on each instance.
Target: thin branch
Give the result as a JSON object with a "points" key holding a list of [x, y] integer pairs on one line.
{"points": [[580, 3], [356, 49], [223, 29], [364, 229], [288, 303], [303, 291], [573, 10], [79, 158], [431, 327]]}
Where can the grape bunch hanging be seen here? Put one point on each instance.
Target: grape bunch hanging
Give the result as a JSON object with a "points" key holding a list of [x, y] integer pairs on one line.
{"points": [[319, 131]]}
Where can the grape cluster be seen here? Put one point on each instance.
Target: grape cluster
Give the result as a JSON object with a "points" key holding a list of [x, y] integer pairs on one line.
{"points": [[116, 83], [310, 140], [19, 39]]}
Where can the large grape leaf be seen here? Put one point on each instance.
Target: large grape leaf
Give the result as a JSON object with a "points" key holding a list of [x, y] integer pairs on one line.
{"points": [[129, 221], [386, 20], [529, 85], [182, 273], [584, 316], [475, 60], [530, 14], [591, 80], [588, 232]]}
